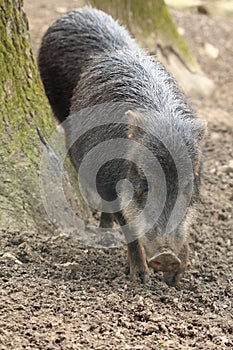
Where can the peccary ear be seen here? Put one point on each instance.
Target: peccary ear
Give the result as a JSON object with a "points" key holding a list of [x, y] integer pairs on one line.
{"points": [[134, 115], [136, 121], [199, 129]]}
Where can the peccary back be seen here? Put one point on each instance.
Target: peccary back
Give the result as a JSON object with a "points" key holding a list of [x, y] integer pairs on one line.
{"points": [[69, 45]]}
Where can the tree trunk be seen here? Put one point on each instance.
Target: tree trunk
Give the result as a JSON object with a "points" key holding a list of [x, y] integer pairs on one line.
{"points": [[151, 23], [23, 107]]}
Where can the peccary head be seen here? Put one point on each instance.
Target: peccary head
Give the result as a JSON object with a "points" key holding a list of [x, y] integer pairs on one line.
{"points": [[175, 145]]}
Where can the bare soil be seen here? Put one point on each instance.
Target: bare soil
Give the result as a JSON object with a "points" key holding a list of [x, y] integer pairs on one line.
{"points": [[57, 295]]}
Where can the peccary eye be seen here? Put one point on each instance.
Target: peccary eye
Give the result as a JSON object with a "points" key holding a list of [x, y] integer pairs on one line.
{"points": [[144, 186]]}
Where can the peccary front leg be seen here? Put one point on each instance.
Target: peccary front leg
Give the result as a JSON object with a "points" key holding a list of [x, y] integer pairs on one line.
{"points": [[106, 220], [137, 262], [172, 278], [136, 255]]}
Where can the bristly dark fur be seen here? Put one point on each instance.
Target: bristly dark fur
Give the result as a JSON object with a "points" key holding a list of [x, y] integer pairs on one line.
{"points": [[69, 45]]}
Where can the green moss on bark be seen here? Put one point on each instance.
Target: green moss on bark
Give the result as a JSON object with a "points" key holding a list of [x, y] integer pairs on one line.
{"points": [[22, 100], [23, 107]]}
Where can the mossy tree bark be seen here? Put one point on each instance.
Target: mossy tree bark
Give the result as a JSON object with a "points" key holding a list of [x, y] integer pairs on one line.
{"points": [[23, 107], [151, 23]]}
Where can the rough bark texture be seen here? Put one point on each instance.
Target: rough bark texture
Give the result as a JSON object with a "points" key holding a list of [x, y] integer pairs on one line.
{"points": [[152, 24], [23, 107]]}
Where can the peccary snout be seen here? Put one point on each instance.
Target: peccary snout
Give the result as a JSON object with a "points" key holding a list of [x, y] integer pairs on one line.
{"points": [[166, 261]]}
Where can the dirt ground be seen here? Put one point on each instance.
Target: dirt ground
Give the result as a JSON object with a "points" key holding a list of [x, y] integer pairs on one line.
{"points": [[56, 295]]}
